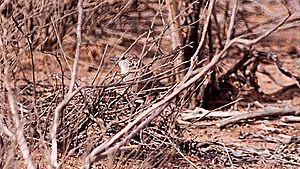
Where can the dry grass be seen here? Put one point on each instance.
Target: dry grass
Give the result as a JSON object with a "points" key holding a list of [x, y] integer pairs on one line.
{"points": [[64, 103]]}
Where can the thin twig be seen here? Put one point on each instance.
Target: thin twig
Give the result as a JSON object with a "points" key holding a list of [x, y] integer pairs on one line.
{"points": [[19, 136], [59, 109]]}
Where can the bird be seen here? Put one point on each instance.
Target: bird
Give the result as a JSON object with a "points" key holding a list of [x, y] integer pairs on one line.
{"points": [[133, 71], [129, 65]]}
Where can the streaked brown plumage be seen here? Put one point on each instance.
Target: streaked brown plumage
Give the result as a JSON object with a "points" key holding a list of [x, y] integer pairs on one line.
{"points": [[131, 69]]}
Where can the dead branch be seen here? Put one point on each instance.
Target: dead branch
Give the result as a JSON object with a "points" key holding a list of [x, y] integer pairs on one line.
{"points": [[232, 21], [59, 109], [286, 139], [78, 44], [19, 135], [109, 111], [199, 113], [290, 119], [175, 33], [268, 112]]}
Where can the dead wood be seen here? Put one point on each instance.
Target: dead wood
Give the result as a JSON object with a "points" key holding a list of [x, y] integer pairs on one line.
{"points": [[291, 119], [175, 35], [220, 50], [60, 108], [199, 113], [19, 135], [286, 139], [268, 112]]}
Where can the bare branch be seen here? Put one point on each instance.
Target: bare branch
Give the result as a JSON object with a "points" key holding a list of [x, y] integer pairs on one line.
{"points": [[78, 45], [19, 136], [272, 111], [59, 109]]}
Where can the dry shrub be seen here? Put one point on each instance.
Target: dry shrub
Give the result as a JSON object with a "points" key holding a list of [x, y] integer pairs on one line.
{"points": [[38, 43]]}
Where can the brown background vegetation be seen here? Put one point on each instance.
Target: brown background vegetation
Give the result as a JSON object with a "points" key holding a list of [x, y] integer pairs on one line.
{"points": [[64, 103]]}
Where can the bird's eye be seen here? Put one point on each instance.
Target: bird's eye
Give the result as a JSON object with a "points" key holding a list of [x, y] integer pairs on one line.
{"points": [[131, 64]]}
